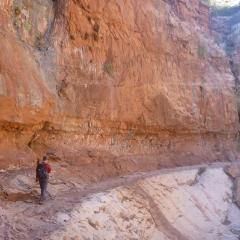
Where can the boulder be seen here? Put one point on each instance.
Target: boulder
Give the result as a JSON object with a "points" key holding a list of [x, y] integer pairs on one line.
{"points": [[232, 170]]}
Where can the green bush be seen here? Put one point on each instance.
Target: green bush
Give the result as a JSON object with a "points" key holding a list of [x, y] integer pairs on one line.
{"points": [[95, 36], [201, 52], [96, 27], [201, 170], [224, 11], [72, 37], [108, 68], [39, 37], [86, 35], [91, 48], [27, 26], [17, 11]]}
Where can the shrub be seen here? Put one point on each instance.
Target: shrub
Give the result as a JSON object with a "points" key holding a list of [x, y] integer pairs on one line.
{"points": [[17, 11], [108, 68], [96, 27], [86, 35], [225, 11], [72, 37], [15, 23], [95, 36], [201, 51], [89, 19], [201, 170], [39, 37], [27, 26]]}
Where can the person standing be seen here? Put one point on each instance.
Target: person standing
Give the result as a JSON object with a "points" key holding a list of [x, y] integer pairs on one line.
{"points": [[42, 175]]}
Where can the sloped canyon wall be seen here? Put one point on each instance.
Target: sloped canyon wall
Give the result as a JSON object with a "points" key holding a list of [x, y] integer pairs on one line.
{"points": [[98, 82]]}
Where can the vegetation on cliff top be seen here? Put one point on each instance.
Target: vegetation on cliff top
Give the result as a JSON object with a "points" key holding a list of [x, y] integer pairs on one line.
{"points": [[224, 10]]}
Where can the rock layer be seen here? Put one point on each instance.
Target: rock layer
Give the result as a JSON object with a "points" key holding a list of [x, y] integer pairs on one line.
{"points": [[128, 78]]}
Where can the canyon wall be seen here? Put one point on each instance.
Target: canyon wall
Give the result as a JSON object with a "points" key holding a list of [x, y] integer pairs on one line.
{"points": [[122, 85]]}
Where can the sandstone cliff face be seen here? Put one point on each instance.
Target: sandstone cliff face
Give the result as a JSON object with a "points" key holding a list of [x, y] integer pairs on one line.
{"points": [[125, 77], [226, 29]]}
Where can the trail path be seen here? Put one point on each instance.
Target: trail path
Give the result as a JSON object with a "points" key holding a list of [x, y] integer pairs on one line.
{"points": [[24, 218]]}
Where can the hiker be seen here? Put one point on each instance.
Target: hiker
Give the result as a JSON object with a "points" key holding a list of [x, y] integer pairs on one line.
{"points": [[42, 174]]}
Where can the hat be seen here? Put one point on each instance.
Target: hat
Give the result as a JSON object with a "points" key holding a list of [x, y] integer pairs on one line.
{"points": [[45, 158]]}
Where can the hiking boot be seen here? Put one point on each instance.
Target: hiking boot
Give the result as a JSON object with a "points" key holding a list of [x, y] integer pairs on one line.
{"points": [[40, 202]]}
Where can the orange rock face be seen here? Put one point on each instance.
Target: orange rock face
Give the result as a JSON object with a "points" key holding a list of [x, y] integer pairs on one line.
{"points": [[119, 77]]}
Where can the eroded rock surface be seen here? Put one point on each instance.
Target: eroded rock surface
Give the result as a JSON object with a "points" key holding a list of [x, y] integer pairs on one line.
{"points": [[136, 77], [184, 203], [233, 170]]}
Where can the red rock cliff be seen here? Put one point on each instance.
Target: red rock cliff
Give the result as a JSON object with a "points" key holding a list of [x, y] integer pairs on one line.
{"points": [[123, 77]]}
